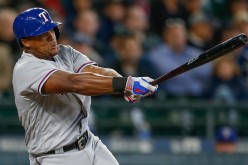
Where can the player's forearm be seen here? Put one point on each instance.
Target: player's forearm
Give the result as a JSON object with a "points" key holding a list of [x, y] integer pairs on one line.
{"points": [[87, 83], [92, 84]]}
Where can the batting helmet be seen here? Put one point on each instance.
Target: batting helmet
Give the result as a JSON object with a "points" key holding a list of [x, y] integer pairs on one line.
{"points": [[34, 22]]}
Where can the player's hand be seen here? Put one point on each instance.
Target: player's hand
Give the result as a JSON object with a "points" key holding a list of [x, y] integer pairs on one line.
{"points": [[138, 88], [132, 98]]}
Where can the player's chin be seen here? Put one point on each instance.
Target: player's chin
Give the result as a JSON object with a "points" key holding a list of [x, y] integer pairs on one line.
{"points": [[54, 51]]}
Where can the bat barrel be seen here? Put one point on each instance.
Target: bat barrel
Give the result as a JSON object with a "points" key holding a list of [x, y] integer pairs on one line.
{"points": [[243, 37], [220, 50]]}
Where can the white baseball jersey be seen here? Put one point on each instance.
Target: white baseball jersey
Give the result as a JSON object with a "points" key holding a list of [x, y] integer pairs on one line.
{"points": [[55, 120]]}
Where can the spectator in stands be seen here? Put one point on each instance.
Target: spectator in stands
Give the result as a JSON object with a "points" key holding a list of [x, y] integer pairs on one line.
{"points": [[240, 23], [136, 22], [237, 6], [7, 16], [130, 53], [233, 115], [174, 52], [6, 66], [82, 5], [111, 54], [129, 57], [240, 20], [192, 7], [223, 11], [221, 14], [200, 31], [5, 2], [226, 85], [144, 4], [83, 44], [229, 32], [73, 8], [226, 140], [111, 19], [162, 10], [87, 24]]}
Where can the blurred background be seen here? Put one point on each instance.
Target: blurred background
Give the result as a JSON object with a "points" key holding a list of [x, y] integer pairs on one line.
{"points": [[199, 117]]}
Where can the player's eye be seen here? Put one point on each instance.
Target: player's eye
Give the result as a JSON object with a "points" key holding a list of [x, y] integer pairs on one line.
{"points": [[47, 33]]}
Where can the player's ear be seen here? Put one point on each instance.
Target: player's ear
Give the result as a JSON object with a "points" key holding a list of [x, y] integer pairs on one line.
{"points": [[25, 43]]}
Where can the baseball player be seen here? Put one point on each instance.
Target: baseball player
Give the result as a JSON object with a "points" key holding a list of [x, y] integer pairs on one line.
{"points": [[52, 87]]}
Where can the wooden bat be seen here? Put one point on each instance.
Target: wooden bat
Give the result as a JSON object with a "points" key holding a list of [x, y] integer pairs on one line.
{"points": [[207, 56]]}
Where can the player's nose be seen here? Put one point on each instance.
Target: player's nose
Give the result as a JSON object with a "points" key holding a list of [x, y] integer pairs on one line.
{"points": [[50, 35]]}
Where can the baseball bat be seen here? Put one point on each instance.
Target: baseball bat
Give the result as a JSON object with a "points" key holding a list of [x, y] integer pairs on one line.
{"points": [[207, 56]]}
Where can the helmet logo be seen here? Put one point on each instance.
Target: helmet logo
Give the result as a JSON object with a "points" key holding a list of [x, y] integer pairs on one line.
{"points": [[43, 15]]}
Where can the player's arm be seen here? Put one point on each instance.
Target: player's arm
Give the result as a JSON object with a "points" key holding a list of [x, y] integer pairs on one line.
{"points": [[88, 83], [93, 80]]}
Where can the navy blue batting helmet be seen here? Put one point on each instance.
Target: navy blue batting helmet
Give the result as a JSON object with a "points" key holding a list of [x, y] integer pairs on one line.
{"points": [[33, 22]]}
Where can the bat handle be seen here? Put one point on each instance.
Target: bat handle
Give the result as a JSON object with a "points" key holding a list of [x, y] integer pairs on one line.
{"points": [[159, 80], [154, 83]]}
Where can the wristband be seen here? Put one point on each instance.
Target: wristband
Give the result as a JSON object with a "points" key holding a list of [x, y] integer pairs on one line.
{"points": [[119, 84]]}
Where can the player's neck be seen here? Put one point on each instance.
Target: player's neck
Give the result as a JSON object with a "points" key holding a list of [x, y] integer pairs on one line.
{"points": [[37, 54]]}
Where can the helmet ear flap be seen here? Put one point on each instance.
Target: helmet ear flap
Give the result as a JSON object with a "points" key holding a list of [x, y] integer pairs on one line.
{"points": [[57, 33]]}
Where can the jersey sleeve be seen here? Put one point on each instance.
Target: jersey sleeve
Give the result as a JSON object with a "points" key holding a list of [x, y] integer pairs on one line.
{"points": [[80, 61], [31, 76]]}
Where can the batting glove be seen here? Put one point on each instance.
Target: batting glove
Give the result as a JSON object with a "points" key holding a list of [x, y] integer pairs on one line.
{"points": [[132, 98], [138, 88]]}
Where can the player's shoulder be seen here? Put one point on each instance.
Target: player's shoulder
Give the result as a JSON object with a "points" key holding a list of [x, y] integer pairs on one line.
{"points": [[68, 52], [24, 60], [64, 48], [27, 61]]}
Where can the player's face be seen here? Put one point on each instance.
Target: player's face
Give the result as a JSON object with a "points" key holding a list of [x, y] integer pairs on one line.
{"points": [[43, 46]]}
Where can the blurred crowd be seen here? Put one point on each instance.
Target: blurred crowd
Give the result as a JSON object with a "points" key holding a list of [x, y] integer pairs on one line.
{"points": [[145, 38]]}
